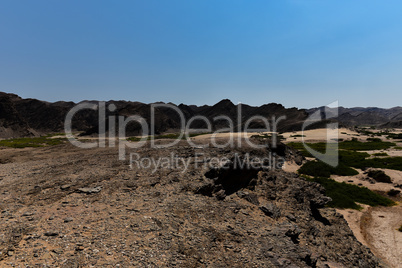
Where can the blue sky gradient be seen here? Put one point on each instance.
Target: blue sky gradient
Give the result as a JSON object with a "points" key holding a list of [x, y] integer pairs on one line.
{"points": [[302, 53]]}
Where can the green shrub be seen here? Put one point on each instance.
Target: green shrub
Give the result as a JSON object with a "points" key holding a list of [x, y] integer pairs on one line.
{"points": [[380, 154], [379, 176], [345, 195], [297, 136], [395, 136], [374, 139], [321, 169], [365, 146], [320, 147], [400, 229], [387, 162]]}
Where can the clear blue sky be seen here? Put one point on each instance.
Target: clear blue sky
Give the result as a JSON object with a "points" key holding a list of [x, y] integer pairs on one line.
{"points": [[301, 53]]}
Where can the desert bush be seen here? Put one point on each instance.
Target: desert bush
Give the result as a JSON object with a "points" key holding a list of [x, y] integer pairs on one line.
{"points": [[379, 176], [393, 192], [297, 136], [387, 162], [374, 139], [321, 169], [380, 154], [320, 147], [395, 136], [365, 146], [345, 195]]}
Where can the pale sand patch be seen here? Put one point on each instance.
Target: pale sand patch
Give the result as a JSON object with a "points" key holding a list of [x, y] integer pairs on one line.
{"points": [[396, 177], [226, 135], [317, 135]]}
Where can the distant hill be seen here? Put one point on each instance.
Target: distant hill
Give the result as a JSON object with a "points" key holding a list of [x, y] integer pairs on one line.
{"points": [[27, 117], [371, 116]]}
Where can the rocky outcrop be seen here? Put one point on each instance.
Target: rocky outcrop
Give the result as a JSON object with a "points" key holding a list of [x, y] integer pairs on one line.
{"points": [[12, 124], [205, 215]]}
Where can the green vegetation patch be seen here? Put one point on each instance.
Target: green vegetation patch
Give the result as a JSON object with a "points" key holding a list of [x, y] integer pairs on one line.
{"points": [[380, 154], [345, 195], [387, 162], [398, 147], [31, 142], [348, 157], [374, 144], [321, 169], [353, 145], [356, 160], [319, 146], [394, 136], [400, 229]]}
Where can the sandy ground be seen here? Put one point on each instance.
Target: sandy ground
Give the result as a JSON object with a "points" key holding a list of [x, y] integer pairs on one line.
{"points": [[380, 230], [316, 135], [360, 180], [376, 228]]}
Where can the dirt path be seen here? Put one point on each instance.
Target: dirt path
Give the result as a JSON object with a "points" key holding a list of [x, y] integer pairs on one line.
{"points": [[376, 228], [379, 228]]}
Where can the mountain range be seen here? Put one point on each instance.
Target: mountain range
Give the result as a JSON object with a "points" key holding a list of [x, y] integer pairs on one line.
{"points": [[31, 117]]}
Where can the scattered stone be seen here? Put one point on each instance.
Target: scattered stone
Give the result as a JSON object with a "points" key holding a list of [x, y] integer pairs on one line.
{"points": [[65, 187], [51, 233], [57, 251], [271, 210], [250, 197], [10, 253], [27, 214], [68, 219], [220, 195], [88, 190]]}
